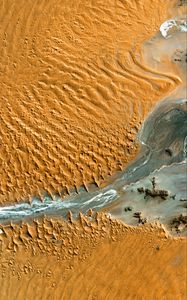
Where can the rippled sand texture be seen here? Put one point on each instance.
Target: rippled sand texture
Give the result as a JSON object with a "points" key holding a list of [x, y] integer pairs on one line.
{"points": [[72, 91], [102, 259]]}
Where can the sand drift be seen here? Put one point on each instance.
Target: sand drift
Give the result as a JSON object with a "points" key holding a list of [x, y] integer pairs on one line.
{"points": [[152, 188], [133, 197]]}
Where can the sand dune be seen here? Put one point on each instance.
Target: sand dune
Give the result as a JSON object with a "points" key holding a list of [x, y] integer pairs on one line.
{"points": [[102, 259], [73, 91], [75, 87]]}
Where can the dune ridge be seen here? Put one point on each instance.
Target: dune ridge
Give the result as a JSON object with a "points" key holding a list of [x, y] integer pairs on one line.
{"points": [[98, 259], [73, 92]]}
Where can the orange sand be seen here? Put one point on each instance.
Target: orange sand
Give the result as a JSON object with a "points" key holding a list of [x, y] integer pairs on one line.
{"points": [[72, 92], [84, 260]]}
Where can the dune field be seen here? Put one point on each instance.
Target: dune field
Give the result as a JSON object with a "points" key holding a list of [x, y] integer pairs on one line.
{"points": [[93, 106]]}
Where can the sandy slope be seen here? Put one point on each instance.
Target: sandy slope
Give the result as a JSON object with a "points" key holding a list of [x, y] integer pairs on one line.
{"points": [[84, 260], [72, 92]]}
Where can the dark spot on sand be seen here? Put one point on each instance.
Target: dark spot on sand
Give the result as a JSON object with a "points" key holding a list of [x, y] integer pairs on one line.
{"points": [[128, 208], [169, 152], [153, 193], [153, 181], [140, 190], [179, 223], [163, 194], [141, 220]]}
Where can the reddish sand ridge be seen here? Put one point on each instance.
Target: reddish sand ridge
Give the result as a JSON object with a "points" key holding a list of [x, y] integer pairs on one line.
{"points": [[102, 259], [72, 93], [73, 96]]}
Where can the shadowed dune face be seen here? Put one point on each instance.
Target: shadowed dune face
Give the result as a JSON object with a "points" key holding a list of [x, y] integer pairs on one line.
{"points": [[73, 93]]}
